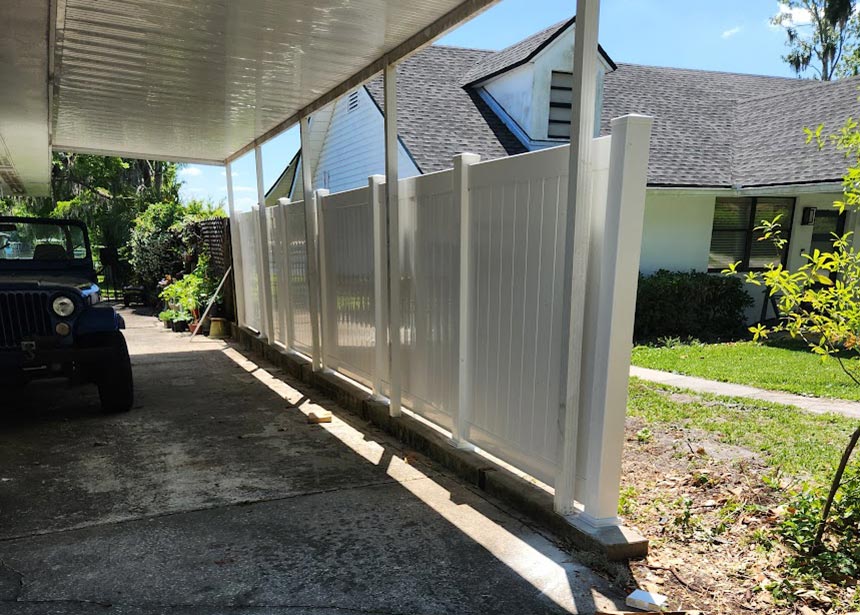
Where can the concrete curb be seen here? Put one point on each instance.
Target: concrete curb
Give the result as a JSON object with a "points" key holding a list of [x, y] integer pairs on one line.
{"points": [[611, 543]]}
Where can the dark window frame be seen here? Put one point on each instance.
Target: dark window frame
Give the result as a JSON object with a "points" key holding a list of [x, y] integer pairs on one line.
{"points": [[753, 222]]}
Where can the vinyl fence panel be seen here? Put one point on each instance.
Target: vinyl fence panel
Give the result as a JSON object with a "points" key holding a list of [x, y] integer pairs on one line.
{"points": [[347, 272]]}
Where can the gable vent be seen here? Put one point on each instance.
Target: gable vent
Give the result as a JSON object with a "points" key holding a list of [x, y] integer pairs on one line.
{"points": [[352, 102], [560, 97]]}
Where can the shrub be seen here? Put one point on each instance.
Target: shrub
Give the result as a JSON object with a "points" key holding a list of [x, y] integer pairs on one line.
{"points": [[673, 304], [838, 559]]}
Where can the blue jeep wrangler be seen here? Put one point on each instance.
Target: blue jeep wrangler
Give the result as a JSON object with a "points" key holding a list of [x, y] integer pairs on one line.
{"points": [[52, 323]]}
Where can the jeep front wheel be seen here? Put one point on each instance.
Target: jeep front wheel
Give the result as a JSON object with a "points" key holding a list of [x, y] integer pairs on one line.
{"points": [[116, 387]]}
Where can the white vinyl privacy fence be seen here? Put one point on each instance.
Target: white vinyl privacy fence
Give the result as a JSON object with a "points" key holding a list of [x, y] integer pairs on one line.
{"points": [[482, 307]]}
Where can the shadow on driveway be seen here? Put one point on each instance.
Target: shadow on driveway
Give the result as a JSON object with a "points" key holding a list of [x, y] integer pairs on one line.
{"points": [[214, 495]]}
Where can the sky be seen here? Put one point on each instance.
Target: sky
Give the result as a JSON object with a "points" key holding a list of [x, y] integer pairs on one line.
{"points": [[729, 35]]}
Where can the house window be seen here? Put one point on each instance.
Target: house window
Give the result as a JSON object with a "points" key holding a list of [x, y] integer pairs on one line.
{"points": [[734, 237], [352, 102], [560, 97]]}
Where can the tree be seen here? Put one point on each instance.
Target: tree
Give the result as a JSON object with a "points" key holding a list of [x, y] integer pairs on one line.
{"points": [[822, 35], [820, 304]]}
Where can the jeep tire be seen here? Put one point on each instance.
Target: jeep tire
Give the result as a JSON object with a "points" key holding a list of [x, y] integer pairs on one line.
{"points": [[116, 386]]}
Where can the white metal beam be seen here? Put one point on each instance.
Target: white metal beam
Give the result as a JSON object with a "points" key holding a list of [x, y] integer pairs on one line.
{"points": [[392, 207], [236, 251], [585, 56], [265, 276], [464, 11]]}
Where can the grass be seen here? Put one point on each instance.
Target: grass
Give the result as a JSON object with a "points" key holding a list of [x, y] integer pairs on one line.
{"points": [[799, 443], [778, 367]]}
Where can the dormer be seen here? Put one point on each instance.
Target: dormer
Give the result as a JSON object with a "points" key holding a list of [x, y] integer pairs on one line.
{"points": [[529, 85]]}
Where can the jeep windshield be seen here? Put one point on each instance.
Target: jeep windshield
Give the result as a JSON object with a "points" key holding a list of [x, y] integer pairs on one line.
{"points": [[41, 241]]}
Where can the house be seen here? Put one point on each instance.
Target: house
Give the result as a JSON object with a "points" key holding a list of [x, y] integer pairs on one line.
{"points": [[727, 151]]}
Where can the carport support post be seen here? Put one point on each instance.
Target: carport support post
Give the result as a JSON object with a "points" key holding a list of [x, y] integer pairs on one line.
{"points": [[265, 277], [311, 245], [576, 242], [235, 249], [392, 207], [610, 305], [460, 418], [380, 275]]}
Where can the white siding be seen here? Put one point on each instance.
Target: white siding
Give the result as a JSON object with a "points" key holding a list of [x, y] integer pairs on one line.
{"points": [[513, 91], [677, 233], [354, 147], [524, 92]]}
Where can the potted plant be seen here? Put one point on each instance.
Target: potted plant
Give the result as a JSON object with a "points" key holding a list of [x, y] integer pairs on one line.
{"points": [[167, 316], [180, 321]]}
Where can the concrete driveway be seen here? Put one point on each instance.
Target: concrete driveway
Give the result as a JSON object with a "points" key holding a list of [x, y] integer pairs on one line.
{"points": [[214, 495]]}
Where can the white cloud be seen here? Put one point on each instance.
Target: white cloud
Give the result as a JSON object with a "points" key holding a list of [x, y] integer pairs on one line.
{"points": [[797, 16], [191, 171], [244, 189], [731, 32], [224, 173]]}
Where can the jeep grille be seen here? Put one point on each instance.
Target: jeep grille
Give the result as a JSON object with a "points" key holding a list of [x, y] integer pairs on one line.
{"points": [[23, 315]]}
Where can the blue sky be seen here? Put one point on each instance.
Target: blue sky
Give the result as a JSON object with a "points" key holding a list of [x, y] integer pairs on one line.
{"points": [[730, 35]]}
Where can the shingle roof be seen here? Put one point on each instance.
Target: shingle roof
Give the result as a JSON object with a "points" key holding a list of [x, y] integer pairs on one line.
{"points": [[770, 144], [693, 139], [437, 118], [518, 53]]}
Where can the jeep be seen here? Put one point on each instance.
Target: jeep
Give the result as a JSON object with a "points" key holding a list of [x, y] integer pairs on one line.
{"points": [[52, 321]]}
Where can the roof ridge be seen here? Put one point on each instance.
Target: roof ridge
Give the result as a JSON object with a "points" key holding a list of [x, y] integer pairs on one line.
{"points": [[460, 47], [714, 72]]}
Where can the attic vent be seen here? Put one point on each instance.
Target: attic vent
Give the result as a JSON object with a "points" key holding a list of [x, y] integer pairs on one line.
{"points": [[352, 102], [560, 97]]}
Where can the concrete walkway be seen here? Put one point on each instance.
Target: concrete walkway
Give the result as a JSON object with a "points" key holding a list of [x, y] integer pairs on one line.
{"points": [[701, 385], [216, 495]]}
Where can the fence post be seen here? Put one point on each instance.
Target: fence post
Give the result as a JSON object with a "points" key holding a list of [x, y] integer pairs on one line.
{"points": [[311, 246], [282, 267], [611, 301], [462, 203], [576, 242], [289, 332], [265, 277], [380, 274], [392, 208], [235, 250], [327, 336]]}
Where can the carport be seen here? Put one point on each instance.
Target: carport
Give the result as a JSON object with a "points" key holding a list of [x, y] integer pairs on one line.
{"points": [[209, 81]]}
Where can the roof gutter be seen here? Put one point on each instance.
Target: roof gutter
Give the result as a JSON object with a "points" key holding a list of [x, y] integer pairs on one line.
{"points": [[774, 190]]}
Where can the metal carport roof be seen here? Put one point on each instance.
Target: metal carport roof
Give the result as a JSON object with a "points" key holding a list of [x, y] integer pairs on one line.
{"points": [[187, 80]]}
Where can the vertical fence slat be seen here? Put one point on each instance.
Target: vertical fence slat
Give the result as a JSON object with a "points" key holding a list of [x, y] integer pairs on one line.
{"points": [[311, 246], [380, 271]]}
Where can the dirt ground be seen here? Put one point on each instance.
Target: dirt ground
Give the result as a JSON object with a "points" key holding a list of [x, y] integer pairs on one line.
{"points": [[709, 509]]}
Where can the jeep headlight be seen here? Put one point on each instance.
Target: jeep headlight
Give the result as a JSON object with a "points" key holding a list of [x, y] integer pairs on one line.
{"points": [[63, 306]]}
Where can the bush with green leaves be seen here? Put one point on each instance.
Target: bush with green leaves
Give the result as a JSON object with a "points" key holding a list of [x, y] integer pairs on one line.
{"points": [[190, 294], [819, 302], [674, 304], [837, 559], [163, 241]]}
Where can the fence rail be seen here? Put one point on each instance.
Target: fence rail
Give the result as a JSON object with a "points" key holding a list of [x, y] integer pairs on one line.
{"points": [[481, 257]]}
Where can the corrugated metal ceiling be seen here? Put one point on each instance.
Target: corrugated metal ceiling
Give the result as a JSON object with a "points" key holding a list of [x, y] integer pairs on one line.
{"points": [[201, 79], [186, 80]]}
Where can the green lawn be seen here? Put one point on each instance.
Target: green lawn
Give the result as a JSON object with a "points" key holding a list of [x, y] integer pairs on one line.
{"points": [[800, 443], [784, 367]]}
